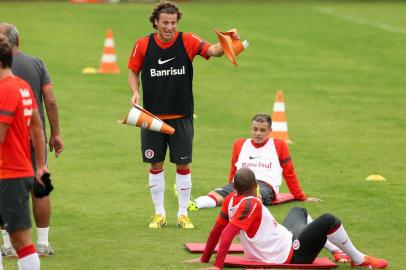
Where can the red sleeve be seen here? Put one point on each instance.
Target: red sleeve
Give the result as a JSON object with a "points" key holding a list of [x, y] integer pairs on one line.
{"points": [[227, 237], [212, 241], [289, 173], [248, 216], [234, 158], [9, 101], [195, 45], [137, 54]]}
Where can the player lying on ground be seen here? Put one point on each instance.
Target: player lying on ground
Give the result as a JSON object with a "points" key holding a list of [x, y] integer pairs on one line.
{"points": [[268, 158], [263, 239]]}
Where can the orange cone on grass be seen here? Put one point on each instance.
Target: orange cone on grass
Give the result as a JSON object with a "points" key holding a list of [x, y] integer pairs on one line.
{"points": [[109, 59], [140, 117], [279, 122]]}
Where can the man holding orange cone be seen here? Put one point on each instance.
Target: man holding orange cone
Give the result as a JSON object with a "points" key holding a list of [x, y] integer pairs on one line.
{"points": [[163, 63]]}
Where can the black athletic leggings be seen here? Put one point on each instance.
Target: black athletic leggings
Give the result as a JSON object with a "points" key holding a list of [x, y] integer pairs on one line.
{"points": [[309, 239]]}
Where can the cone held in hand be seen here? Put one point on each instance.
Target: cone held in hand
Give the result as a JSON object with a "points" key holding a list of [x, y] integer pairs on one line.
{"points": [[140, 117], [231, 46]]}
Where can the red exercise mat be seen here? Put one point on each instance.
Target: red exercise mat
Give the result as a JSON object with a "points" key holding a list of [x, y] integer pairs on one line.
{"points": [[239, 261], [199, 248], [283, 198]]}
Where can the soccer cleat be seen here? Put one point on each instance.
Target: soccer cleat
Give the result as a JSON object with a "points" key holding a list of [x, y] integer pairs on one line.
{"points": [[371, 263], [184, 222], [8, 252], [44, 250], [341, 257], [158, 222], [193, 206], [175, 190]]}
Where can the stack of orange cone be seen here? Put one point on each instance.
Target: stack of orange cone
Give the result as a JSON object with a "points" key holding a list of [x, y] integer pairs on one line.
{"points": [[140, 117], [109, 59], [279, 122]]}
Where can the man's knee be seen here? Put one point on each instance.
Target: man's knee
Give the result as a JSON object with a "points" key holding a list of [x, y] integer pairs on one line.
{"points": [[330, 220], [217, 197]]}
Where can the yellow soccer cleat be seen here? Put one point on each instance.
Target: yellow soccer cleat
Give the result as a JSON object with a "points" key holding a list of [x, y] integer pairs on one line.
{"points": [[158, 222], [184, 222]]}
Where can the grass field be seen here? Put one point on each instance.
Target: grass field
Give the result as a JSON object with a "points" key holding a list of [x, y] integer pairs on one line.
{"points": [[341, 64]]}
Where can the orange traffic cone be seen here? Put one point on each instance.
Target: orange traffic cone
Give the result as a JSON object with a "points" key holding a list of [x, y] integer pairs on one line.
{"points": [[232, 47], [109, 60], [140, 117], [279, 122]]}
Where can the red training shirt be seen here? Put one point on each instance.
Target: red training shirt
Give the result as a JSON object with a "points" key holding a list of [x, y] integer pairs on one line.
{"points": [[285, 161], [16, 105]]}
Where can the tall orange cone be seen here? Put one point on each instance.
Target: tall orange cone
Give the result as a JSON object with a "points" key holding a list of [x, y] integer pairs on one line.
{"points": [[279, 122], [140, 117], [109, 59]]}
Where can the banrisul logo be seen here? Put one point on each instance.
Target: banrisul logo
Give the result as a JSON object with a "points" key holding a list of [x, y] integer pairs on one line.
{"points": [[167, 72]]}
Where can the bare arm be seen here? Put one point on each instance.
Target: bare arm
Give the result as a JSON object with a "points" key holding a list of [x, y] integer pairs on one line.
{"points": [[134, 82], [38, 141], [3, 130], [55, 141], [215, 50]]}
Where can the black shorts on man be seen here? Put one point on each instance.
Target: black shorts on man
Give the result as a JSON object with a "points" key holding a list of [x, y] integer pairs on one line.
{"points": [[14, 203], [266, 191], [155, 144]]}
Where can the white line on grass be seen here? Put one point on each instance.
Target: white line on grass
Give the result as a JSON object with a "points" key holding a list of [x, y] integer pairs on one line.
{"points": [[379, 25]]}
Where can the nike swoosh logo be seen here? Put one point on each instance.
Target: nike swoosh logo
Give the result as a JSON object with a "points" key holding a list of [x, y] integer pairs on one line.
{"points": [[161, 62], [184, 157], [251, 157], [184, 188], [153, 186]]}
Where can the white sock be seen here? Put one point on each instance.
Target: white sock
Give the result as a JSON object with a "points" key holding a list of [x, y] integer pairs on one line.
{"points": [[6, 239], [341, 239], [184, 188], [29, 262], [329, 246], [157, 189], [43, 236], [205, 202]]}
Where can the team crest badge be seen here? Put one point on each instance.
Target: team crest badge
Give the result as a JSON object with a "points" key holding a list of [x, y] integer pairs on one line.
{"points": [[296, 245], [149, 153]]}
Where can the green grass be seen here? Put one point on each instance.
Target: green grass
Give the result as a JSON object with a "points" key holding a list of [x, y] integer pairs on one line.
{"points": [[343, 74]]}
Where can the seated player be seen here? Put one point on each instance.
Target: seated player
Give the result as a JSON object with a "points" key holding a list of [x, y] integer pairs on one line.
{"points": [[263, 239], [268, 158]]}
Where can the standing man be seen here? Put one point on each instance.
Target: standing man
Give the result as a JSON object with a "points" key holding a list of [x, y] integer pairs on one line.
{"points": [[18, 118], [33, 70], [268, 158], [163, 62]]}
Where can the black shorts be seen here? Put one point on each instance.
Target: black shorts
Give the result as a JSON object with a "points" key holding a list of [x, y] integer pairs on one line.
{"points": [[308, 239], [154, 144], [267, 192], [14, 203]]}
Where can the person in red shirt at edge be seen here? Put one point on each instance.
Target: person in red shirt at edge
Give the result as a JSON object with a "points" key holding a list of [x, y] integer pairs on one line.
{"points": [[298, 240], [162, 62], [269, 159], [19, 117]]}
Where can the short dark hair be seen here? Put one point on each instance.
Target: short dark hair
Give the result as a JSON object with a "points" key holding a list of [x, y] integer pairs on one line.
{"points": [[263, 117], [164, 7], [244, 181], [6, 56]]}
